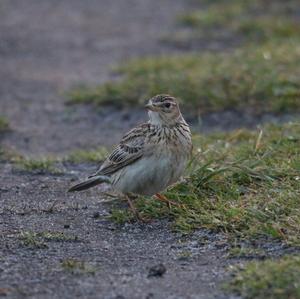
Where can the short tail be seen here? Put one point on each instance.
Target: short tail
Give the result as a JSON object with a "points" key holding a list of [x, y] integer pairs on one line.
{"points": [[89, 183]]}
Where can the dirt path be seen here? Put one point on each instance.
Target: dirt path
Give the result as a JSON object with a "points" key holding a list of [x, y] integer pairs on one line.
{"points": [[117, 259], [48, 46]]}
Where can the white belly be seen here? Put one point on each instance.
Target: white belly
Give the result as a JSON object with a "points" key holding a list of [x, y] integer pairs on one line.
{"points": [[149, 175]]}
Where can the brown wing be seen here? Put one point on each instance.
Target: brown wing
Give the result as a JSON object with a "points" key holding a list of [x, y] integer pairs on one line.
{"points": [[129, 150]]}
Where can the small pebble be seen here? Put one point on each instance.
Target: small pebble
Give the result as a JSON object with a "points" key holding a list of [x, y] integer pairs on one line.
{"points": [[157, 271], [96, 215]]}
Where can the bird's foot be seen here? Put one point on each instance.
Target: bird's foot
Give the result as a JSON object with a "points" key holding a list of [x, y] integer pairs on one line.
{"points": [[135, 212]]}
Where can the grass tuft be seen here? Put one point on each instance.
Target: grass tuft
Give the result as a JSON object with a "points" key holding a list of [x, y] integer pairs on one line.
{"points": [[38, 166], [273, 279], [121, 216], [40, 239], [31, 240]]}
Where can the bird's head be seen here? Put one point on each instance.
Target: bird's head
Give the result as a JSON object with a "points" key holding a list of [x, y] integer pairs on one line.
{"points": [[163, 109]]}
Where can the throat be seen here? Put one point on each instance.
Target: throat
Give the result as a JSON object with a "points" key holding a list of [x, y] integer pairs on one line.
{"points": [[154, 119]]}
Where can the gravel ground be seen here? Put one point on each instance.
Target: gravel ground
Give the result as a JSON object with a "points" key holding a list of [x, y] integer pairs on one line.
{"points": [[119, 261]]}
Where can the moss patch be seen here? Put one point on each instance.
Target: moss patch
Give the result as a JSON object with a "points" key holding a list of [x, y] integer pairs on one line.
{"points": [[245, 184], [273, 279], [258, 79]]}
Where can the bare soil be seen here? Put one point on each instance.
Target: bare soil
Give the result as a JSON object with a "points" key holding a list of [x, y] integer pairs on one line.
{"points": [[48, 46], [120, 256], [45, 48]]}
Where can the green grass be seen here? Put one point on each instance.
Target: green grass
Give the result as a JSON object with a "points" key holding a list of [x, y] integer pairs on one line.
{"points": [[81, 156], [31, 240], [245, 184], [121, 216], [272, 279], [4, 125], [247, 252], [38, 166], [39, 239], [256, 20], [54, 165], [256, 79]]}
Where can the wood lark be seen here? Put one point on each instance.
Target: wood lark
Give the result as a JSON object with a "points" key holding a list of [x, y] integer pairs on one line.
{"points": [[151, 156]]}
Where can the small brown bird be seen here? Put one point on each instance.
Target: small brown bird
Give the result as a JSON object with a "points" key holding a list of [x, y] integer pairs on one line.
{"points": [[151, 156]]}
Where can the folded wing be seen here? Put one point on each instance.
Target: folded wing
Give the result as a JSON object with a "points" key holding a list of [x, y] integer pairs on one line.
{"points": [[130, 149]]}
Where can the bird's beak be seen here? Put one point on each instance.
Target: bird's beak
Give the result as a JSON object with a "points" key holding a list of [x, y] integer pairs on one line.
{"points": [[150, 106]]}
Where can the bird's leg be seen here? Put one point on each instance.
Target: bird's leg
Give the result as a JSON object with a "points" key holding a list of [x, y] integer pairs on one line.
{"points": [[131, 206], [134, 210], [164, 199]]}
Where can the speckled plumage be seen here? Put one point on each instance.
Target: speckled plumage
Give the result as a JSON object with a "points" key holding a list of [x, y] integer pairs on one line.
{"points": [[151, 156]]}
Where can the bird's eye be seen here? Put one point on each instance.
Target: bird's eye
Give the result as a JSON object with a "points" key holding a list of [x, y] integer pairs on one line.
{"points": [[167, 105]]}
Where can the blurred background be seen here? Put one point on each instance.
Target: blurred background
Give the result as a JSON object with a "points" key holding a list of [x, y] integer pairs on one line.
{"points": [[75, 74]]}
